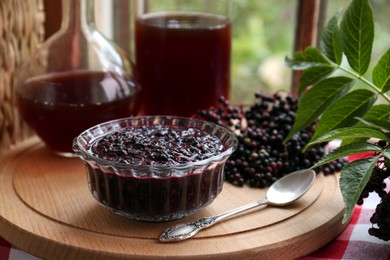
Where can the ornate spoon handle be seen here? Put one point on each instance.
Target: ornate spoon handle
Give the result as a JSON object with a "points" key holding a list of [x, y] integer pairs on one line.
{"points": [[186, 230]]}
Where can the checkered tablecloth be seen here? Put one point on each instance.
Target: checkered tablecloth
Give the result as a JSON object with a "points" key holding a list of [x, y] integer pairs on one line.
{"points": [[353, 243], [8, 252]]}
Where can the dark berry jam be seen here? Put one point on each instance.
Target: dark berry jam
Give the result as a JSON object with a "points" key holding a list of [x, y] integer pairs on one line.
{"points": [[156, 172], [156, 199], [157, 145]]}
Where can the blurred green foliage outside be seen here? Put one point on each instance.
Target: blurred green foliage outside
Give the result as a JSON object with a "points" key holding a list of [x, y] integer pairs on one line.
{"points": [[263, 34]]}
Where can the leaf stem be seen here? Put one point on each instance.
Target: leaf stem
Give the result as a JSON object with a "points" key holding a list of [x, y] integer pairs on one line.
{"points": [[365, 81]]}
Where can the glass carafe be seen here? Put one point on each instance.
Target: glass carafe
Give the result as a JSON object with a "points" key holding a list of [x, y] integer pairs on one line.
{"points": [[75, 80]]}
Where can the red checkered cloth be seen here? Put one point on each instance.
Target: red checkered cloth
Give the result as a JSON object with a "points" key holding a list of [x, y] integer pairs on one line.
{"points": [[8, 252], [355, 242]]}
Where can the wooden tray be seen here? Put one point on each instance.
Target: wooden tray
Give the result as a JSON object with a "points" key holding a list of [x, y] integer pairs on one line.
{"points": [[46, 209]]}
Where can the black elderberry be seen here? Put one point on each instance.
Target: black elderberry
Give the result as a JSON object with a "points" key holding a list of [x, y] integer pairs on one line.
{"points": [[261, 129], [382, 143], [381, 217]]}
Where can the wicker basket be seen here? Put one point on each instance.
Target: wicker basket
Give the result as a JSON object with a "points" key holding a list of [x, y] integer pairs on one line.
{"points": [[22, 31]]}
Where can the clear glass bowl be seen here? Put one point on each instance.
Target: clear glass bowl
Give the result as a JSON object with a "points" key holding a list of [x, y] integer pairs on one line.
{"points": [[154, 192]]}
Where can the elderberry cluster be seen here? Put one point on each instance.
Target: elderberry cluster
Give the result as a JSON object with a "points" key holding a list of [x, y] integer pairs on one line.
{"points": [[376, 183], [262, 157], [381, 219]]}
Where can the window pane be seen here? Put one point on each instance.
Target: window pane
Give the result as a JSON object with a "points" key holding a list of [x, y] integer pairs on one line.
{"points": [[263, 34]]}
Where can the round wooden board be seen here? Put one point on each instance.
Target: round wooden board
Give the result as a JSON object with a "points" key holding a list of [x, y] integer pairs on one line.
{"points": [[47, 210]]}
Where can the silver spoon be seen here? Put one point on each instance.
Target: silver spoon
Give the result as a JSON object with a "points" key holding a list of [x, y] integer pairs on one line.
{"points": [[284, 191]]}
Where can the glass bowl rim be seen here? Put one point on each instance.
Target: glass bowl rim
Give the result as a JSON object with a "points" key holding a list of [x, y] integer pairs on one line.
{"points": [[81, 150]]}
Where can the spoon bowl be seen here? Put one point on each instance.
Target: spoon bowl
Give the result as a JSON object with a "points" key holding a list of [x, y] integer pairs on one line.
{"points": [[283, 192], [290, 188]]}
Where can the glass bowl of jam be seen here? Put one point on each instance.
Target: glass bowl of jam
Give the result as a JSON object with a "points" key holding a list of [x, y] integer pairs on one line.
{"points": [[155, 168]]}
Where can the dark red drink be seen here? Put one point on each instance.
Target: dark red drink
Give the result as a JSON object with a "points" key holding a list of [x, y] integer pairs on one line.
{"points": [[183, 60], [60, 106]]}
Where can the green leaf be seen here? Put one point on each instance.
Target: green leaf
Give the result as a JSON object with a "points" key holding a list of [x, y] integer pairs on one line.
{"points": [[354, 140], [310, 57], [387, 154], [331, 42], [350, 132], [379, 112], [357, 34], [343, 112], [312, 75], [376, 123], [381, 73], [317, 99], [353, 178], [346, 150]]}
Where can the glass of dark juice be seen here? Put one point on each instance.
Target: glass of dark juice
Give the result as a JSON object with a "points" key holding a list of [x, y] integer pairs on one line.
{"points": [[183, 53]]}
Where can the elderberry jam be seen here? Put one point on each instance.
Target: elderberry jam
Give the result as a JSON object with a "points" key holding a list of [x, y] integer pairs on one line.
{"points": [[156, 145], [155, 168]]}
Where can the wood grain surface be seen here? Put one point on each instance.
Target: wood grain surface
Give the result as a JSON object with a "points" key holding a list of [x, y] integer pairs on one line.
{"points": [[47, 210]]}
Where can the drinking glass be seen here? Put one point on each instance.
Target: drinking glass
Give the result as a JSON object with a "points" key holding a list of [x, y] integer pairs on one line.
{"points": [[182, 54]]}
